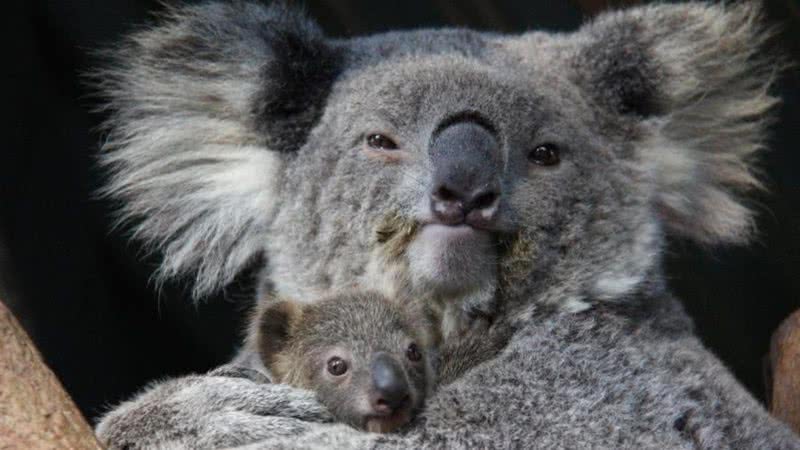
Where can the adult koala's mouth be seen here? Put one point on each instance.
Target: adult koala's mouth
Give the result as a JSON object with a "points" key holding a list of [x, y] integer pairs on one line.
{"points": [[395, 234], [438, 258]]}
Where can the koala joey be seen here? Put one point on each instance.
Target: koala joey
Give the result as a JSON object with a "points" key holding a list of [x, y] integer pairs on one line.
{"points": [[367, 359]]}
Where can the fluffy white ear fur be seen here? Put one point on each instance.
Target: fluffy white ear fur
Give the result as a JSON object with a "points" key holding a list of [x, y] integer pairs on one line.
{"points": [[697, 76], [193, 178]]}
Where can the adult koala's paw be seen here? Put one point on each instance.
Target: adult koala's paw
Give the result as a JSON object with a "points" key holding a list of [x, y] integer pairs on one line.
{"points": [[227, 407]]}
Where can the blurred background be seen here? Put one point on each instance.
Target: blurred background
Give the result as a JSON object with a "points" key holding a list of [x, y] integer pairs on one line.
{"points": [[83, 291]]}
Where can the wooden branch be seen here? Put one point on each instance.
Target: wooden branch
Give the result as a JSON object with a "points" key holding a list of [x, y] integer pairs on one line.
{"points": [[784, 358], [35, 411]]}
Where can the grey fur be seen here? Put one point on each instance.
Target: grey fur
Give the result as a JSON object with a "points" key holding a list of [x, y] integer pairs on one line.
{"points": [[295, 341], [658, 111]]}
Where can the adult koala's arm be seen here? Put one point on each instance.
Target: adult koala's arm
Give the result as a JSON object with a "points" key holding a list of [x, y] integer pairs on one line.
{"points": [[227, 407]]}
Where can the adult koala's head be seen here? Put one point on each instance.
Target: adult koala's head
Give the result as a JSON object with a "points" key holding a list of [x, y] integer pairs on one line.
{"points": [[443, 160]]}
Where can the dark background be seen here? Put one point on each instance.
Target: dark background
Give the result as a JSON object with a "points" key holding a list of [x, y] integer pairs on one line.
{"points": [[83, 292]]}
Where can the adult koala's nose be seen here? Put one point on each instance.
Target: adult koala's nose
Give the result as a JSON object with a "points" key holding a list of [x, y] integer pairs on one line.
{"points": [[467, 167]]}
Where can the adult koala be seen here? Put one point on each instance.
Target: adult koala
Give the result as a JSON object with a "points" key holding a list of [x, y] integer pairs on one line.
{"points": [[531, 177]]}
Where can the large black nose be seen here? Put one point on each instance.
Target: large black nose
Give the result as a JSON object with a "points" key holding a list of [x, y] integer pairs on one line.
{"points": [[389, 386], [466, 174]]}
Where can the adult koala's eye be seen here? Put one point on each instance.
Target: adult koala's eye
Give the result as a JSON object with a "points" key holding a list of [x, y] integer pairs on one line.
{"points": [[413, 353], [337, 366], [381, 142], [545, 155]]}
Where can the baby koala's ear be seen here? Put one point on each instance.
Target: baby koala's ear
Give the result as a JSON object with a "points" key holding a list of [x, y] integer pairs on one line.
{"points": [[273, 328]]}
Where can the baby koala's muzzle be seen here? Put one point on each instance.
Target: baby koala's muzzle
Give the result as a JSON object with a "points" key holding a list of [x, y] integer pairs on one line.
{"points": [[390, 391]]}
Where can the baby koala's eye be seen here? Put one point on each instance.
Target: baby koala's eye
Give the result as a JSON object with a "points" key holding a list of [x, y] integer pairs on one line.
{"points": [[337, 366], [413, 353], [381, 142], [545, 155]]}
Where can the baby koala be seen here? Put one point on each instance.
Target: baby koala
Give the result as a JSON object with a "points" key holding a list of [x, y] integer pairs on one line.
{"points": [[368, 360]]}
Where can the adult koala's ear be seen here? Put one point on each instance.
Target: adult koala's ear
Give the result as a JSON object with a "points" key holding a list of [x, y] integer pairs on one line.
{"points": [[697, 79], [203, 107]]}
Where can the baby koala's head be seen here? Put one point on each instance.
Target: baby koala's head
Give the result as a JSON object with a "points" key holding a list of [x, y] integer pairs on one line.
{"points": [[367, 359]]}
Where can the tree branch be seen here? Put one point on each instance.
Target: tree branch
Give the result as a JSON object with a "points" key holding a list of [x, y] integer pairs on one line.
{"points": [[35, 411], [784, 356]]}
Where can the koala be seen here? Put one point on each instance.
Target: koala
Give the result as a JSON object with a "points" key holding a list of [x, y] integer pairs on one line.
{"points": [[368, 360], [532, 179]]}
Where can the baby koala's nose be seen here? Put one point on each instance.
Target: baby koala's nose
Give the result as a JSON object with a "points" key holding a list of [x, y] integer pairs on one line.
{"points": [[390, 390]]}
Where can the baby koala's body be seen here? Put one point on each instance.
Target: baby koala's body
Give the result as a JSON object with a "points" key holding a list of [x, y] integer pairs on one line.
{"points": [[368, 360]]}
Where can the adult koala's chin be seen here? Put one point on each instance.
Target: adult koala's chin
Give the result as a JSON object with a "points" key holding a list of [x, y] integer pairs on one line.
{"points": [[531, 177]]}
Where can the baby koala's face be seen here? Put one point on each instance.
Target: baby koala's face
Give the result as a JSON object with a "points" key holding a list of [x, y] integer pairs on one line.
{"points": [[374, 387], [367, 359]]}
